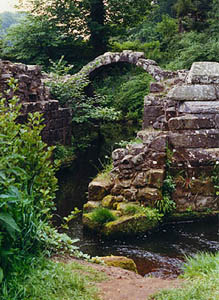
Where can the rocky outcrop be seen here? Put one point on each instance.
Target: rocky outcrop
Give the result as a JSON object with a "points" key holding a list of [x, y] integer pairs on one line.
{"points": [[179, 148], [34, 96]]}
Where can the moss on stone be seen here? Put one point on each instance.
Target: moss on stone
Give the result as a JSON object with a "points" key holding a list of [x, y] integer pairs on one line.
{"points": [[91, 205], [120, 262], [108, 201], [129, 225]]}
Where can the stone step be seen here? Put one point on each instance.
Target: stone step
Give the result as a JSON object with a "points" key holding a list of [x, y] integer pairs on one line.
{"points": [[200, 107], [204, 138], [197, 121], [196, 92]]}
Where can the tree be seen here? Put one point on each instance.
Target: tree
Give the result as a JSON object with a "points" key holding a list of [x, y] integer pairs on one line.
{"points": [[192, 15], [96, 20]]}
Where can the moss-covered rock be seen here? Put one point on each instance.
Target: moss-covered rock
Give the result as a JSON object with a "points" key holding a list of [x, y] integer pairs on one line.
{"points": [[91, 205], [119, 261], [99, 188], [129, 225], [108, 201]]}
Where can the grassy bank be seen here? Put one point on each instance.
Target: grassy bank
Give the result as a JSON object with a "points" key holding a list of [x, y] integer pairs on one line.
{"points": [[201, 274], [38, 278]]}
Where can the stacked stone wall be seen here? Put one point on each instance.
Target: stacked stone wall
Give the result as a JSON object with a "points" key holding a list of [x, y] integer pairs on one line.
{"points": [[180, 136], [35, 97]]}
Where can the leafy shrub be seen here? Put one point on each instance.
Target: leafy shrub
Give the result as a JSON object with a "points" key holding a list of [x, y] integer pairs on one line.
{"points": [[27, 188], [102, 215], [124, 88], [150, 49], [88, 112]]}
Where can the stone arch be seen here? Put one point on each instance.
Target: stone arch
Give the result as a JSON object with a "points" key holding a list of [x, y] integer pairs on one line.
{"points": [[128, 56]]}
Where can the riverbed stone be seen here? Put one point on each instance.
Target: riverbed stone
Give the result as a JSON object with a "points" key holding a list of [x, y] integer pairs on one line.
{"points": [[120, 262], [129, 225]]}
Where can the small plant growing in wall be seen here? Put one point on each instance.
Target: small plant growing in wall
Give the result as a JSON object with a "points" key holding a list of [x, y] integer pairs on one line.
{"points": [[215, 178], [166, 205]]}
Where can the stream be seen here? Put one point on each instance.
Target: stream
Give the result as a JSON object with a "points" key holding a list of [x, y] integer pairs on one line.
{"points": [[160, 253]]}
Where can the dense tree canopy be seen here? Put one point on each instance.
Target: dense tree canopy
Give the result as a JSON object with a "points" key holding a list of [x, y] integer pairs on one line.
{"points": [[97, 20]]}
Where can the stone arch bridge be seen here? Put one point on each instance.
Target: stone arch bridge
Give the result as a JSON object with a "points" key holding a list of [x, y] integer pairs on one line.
{"points": [[128, 56]]}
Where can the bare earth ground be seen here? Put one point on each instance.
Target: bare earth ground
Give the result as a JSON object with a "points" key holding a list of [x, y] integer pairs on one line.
{"points": [[127, 285]]}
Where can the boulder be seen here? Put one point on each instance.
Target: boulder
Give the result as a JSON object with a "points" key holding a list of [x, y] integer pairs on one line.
{"points": [[120, 262]]}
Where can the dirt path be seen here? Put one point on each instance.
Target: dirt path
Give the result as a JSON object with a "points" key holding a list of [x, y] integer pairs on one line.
{"points": [[127, 285]]}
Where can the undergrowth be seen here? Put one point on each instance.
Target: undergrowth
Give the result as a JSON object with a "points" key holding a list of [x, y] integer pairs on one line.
{"points": [[202, 280], [102, 216], [38, 278]]}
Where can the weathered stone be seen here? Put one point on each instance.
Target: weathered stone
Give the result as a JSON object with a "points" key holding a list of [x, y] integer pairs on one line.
{"points": [[193, 93], [191, 122], [98, 189], [156, 87], [118, 154], [148, 196], [203, 202], [204, 138], [159, 143], [140, 180], [108, 201], [120, 262], [155, 177], [91, 205], [204, 72], [129, 225], [130, 194], [199, 107]]}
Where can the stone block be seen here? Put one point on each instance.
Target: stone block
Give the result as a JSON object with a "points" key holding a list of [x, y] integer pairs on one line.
{"points": [[191, 122], [98, 189], [156, 87], [204, 72], [199, 107], [204, 138], [148, 196], [195, 92]]}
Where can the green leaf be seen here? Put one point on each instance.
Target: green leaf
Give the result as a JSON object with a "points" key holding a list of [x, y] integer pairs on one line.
{"points": [[9, 223], [1, 275]]}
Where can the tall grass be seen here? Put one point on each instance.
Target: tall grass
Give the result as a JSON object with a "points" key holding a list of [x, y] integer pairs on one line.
{"points": [[201, 274]]}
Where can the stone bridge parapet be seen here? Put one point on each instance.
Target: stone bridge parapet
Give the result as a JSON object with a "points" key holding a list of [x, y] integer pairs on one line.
{"points": [[128, 56]]}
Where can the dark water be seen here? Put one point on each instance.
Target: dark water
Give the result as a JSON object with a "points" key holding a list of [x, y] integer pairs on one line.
{"points": [[160, 253]]}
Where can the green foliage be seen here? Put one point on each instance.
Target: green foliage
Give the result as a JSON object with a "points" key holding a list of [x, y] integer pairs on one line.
{"points": [[167, 28], [95, 19], [125, 92], [151, 213], [27, 188], [88, 112], [202, 274], [189, 48], [102, 215], [215, 178], [166, 205], [150, 49], [38, 278]]}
